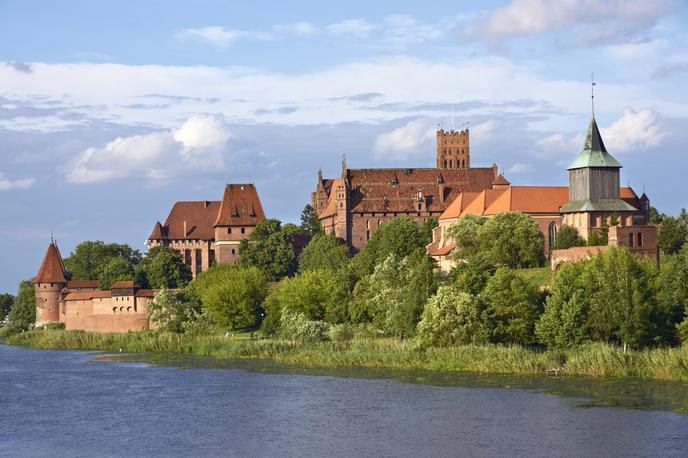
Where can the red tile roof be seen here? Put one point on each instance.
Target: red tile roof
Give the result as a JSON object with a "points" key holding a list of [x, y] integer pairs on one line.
{"points": [[86, 295], [52, 268], [526, 199], [83, 284], [395, 190], [158, 233], [199, 217], [127, 284], [240, 206]]}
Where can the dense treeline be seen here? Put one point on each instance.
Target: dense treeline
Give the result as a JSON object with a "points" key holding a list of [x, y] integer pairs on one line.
{"points": [[391, 288]]}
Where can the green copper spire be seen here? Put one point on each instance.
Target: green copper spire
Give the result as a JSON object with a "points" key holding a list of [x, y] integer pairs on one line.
{"points": [[594, 152]]}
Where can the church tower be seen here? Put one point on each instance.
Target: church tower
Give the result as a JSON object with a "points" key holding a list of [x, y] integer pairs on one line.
{"points": [[453, 150], [594, 187], [49, 282]]}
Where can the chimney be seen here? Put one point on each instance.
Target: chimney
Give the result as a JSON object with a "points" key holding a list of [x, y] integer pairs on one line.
{"points": [[440, 191], [185, 228]]}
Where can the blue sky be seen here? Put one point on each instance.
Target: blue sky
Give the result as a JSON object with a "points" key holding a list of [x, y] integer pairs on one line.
{"points": [[112, 111]]}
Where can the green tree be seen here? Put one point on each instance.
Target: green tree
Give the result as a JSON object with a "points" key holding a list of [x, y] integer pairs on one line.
{"points": [[325, 251], [232, 295], [270, 249], [6, 301], [163, 267], [465, 234], [310, 222], [96, 261], [568, 237], [512, 306], [452, 317], [399, 237], [394, 295], [22, 316], [115, 269], [173, 310], [316, 294], [472, 274], [619, 289], [512, 239], [673, 234], [564, 322], [672, 299], [426, 229]]}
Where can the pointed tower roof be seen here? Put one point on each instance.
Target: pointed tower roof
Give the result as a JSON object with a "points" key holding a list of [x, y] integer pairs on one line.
{"points": [[240, 206], [158, 232], [594, 152], [52, 268]]}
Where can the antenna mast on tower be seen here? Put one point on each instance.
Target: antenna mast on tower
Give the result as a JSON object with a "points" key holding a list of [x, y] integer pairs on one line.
{"points": [[452, 117], [592, 93]]}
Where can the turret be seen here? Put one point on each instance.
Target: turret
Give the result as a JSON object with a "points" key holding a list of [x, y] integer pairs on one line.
{"points": [[453, 150], [49, 282]]}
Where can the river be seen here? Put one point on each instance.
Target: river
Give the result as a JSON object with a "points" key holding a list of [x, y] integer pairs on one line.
{"points": [[77, 404]]}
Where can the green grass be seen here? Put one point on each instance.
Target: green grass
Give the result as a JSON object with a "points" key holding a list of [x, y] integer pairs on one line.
{"points": [[542, 276], [597, 360]]}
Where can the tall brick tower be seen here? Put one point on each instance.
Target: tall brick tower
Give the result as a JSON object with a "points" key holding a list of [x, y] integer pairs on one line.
{"points": [[49, 282], [453, 150]]}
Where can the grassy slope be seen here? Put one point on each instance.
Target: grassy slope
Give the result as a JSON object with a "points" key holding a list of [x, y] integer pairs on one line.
{"points": [[590, 360], [542, 276]]}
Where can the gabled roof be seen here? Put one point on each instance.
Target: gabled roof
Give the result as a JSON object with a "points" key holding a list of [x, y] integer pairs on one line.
{"points": [[240, 206], [158, 233], [199, 217], [52, 268], [76, 284], [594, 152], [501, 181]]}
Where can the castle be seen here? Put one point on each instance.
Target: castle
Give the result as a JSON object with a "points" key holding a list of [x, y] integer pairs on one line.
{"points": [[353, 205], [80, 304], [209, 232], [592, 201]]}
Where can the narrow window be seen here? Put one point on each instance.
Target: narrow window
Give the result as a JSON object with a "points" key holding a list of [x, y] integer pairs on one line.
{"points": [[630, 240], [640, 240], [243, 230], [229, 230]]}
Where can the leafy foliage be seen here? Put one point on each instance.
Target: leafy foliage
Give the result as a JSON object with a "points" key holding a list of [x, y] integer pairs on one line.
{"points": [[171, 310], [511, 307], [232, 295], [310, 223], [6, 301], [399, 237], [673, 234], [163, 267], [270, 249], [394, 295], [568, 237], [472, 274], [326, 252], [452, 317], [22, 316], [315, 294], [509, 239], [296, 326], [105, 262]]}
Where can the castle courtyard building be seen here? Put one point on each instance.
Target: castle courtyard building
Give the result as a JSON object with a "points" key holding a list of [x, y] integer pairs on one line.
{"points": [[353, 205]]}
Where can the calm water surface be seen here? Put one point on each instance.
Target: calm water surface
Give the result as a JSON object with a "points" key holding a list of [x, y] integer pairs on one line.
{"points": [[69, 403]]}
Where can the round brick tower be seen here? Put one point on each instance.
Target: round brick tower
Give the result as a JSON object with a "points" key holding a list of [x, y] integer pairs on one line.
{"points": [[49, 283]]}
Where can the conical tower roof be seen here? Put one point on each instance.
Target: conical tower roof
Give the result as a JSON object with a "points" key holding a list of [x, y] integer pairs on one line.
{"points": [[52, 268], [594, 152]]}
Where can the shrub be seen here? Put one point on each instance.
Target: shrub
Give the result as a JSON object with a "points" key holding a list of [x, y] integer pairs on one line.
{"points": [[451, 317], [295, 326], [54, 326], [342, 332]]}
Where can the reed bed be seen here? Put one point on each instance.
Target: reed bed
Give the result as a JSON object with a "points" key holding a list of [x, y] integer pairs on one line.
{"points": [[596, 360]]}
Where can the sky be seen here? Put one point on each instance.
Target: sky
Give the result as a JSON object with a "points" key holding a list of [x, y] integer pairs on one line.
{"points": [[111, 111]]}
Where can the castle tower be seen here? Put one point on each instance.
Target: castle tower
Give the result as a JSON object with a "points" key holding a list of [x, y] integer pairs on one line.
{"points": [[453, 150], [342, 227], [594, 186], [49, 282]]}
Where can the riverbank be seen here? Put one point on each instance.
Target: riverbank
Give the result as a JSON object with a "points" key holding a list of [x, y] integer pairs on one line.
{"points": [[596, 360]]}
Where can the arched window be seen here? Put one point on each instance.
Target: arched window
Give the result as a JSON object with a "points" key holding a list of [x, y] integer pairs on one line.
{"points": [[552, 234]]}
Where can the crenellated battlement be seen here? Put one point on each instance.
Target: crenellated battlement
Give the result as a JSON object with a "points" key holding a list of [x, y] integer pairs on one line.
{"points": [[453, 149]]}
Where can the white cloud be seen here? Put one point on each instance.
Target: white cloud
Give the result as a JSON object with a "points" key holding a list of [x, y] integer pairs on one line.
{"points": [[483, 133], [402, 142], [529, 17], [7, 185], [404, 30], [220, 36], [297, 28], [560, 143], [520, 168], [641, 49], [195, 146], [633, 130], [357, 27]]}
